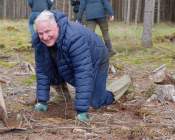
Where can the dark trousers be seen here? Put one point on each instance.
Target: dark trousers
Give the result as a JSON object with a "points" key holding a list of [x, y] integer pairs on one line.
{"points": [[103, 24], [101, 96]]}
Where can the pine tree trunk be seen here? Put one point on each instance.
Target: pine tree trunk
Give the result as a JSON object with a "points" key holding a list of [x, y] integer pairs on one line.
{"points": [[153, 11], [125, 10], [128, 12], [137, 11], [158, 11], [5, 9], [147, 29]]}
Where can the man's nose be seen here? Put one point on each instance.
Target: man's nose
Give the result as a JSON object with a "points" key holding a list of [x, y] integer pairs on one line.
{"points": [[45, 36]]}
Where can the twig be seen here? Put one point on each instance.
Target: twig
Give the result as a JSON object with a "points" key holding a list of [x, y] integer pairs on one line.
{"points": [[68, 127], [66, 95], [27, 121], [6, 130], [65, 101], [22, 73]]}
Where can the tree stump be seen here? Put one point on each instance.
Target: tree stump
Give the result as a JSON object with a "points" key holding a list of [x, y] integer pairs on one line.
{"points": [[163, 93]]}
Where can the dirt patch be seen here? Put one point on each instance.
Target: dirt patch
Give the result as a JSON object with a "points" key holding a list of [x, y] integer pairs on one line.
{"points": [[129, 119]]}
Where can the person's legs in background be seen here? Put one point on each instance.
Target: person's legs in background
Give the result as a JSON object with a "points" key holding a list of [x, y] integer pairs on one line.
{"points": [[103, 23], [91, 24]]}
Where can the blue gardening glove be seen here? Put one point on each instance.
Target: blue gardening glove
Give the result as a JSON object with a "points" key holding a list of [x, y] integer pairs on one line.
{"points": [[41, 107], [83, 117]]}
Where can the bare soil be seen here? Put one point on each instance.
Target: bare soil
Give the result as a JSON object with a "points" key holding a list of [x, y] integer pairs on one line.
{"points": [[131, 118]]}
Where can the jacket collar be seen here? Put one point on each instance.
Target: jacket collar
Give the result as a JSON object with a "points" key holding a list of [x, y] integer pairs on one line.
{"points": [[62, 22]]}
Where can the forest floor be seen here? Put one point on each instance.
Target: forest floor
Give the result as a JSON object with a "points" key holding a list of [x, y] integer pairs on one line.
{"points": [[131, 118]]}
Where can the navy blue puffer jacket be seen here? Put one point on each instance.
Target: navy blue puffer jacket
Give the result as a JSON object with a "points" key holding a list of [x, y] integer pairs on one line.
{"points": [[80, 52]]}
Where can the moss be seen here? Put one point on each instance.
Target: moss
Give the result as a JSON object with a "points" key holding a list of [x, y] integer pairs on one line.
{"points": [[2, 46], [29, 80], [7, 64]]}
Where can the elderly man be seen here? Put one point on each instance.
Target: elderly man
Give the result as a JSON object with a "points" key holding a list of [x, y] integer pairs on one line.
{"points": [[68, 52]]}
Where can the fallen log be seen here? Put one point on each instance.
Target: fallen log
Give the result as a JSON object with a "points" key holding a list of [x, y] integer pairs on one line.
{"points": [[163, 93], [120, 86]]}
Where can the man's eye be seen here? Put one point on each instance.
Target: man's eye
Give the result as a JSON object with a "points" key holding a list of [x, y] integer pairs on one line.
{"points": [[47, 32]]}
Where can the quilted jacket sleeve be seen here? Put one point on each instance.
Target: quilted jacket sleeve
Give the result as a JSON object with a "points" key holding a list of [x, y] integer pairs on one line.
{"points": [[43, 84], [83, 71]]}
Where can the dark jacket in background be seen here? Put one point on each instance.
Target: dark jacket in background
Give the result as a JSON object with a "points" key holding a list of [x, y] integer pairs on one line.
{"points": [[40, 5], [94, 9], [75, 4]]}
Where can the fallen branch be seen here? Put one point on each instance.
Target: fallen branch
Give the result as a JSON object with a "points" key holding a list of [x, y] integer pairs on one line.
{"points": [[61, 127], [6, 130], [22, 73]]}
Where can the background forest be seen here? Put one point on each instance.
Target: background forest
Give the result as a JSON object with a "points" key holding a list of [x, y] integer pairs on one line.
{"points": [[125, 10]]}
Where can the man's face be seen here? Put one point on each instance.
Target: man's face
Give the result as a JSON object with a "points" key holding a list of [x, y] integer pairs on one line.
{"points": [[48, 32]]}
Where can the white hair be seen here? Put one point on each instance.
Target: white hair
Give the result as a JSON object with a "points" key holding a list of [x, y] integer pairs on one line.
{"points": [[45, 16]]}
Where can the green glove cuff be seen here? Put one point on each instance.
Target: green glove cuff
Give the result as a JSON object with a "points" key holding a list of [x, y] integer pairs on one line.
{"points": [[41, 107], [83, 117]]}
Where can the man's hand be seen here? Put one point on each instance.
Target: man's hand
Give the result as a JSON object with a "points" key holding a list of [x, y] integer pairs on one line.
{"points": [[83, 117], [111, 18], [41, 107]]}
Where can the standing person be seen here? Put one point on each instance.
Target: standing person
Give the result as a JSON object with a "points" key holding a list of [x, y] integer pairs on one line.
{"points": [[67, 51], [37, 6], [96, 12], [75, 4]]}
